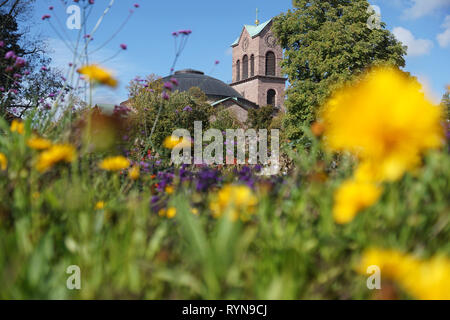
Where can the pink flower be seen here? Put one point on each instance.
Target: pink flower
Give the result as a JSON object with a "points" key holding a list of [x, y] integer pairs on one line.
{"points": [[91, 1], [44, 68], [174, 81], [26, 72], [217, 62], [2, 89], [123, 46], [175, 34], [136, 5], [17, 76], [9, 69]]}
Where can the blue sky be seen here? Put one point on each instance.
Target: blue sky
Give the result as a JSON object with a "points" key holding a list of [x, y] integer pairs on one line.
{"points": [[424, 25]]}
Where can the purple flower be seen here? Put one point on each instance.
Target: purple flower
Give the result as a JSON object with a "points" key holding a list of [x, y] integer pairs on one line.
{"points": [[2, 89], [51, 95], [10, 54], [91, 1], [44, 68], [2, 44], [9, 69], [174, 81], [216, 62], [185, 32], [187, 109], [136, 5], [20, 62], [175, 34], [123, 46], [46, 16], [168, 86], [165, 96], [17, 76], [50, 8]]}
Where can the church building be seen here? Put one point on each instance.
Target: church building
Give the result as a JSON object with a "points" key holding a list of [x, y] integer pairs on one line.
{"points": [[256, 68]]}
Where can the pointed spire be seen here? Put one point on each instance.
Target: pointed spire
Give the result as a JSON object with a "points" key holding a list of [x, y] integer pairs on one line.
{"points": [[257, 21]]}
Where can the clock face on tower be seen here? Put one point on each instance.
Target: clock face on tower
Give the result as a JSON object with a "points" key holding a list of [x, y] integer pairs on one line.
{"points": [[270, 41], [245, 44]]}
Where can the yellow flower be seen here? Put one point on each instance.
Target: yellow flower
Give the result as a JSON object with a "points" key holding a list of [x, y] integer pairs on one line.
{"points": [[17, 126], [134, 173], [3, 162], [169, 213], [352, 197], [57, 153], [100, 205], [194, 211], [39, 143], [237, 201], [423, 279], [172, 142], [97, 74], [114, 163], [385, 120], [169, 189]]}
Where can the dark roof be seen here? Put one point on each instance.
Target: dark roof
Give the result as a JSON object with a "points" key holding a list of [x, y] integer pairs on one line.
{"points": [[213, 88]]}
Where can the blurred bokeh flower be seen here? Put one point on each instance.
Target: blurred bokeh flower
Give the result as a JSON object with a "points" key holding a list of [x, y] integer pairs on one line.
{"points": [[172, 142], [17, 126], [38, 143], [3, 162], [57, 153], [115, 163], [134, 172], [423, 279], [98, 74], [353, 196], [236, 201], [384, 119]]}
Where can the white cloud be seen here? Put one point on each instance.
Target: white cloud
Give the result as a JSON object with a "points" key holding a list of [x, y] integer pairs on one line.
{"points": [[422, 8], [444, 37], [416, 47], [427, 89]]}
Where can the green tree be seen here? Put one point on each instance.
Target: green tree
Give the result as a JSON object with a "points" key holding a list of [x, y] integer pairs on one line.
{"points": [[260, 118], [446, 102], [327, 42]]}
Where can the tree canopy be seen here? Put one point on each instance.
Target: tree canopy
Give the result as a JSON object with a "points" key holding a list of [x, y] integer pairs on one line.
{"points": [[327, 42]]}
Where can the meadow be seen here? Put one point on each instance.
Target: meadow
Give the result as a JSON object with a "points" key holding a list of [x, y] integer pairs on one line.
{"points": [[368, 184]]}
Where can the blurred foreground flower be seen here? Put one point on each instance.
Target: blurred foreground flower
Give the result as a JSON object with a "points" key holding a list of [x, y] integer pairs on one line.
{"points": [[134, 173], [97, 74], [423, 279], [57, 153], [172, 142], [3, 162], [115, 163], [17, 126], [37, 143], [352, 197], [169, 213], [237, 201], [385, 120], [100, 205]]}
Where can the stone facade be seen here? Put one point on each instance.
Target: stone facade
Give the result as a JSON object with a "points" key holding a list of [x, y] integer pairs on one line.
{"points": [[256, 86]]}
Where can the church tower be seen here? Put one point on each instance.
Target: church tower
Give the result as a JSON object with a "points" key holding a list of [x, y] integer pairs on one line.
{"points": [[257, 66]]}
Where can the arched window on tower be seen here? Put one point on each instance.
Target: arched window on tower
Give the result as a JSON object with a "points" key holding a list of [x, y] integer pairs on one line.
{"points": [[245, 67], [270, 64], [252, 65], [271, 94], [238, 70]]}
